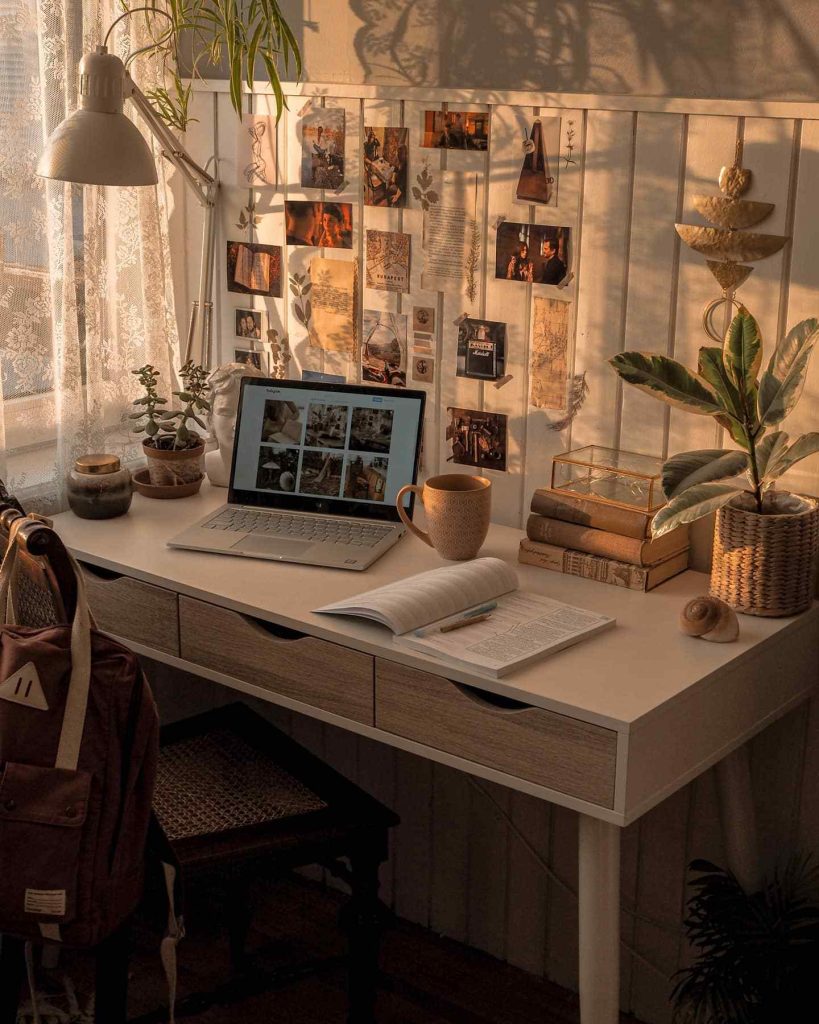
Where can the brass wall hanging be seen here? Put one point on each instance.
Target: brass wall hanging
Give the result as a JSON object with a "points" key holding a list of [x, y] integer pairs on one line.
{"points": [[728, 244]]}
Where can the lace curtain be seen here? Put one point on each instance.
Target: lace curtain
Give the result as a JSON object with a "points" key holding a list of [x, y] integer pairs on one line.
{"points": [[85, 276]]}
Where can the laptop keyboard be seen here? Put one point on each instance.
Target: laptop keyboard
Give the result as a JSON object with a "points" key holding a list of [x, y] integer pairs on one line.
{"points": [[329, 530]]}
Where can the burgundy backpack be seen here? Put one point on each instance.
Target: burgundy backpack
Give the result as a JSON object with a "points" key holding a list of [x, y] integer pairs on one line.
{"points": [[78, 751]]}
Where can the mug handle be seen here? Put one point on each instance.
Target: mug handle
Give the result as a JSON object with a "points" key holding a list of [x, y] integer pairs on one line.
{"points": [[405, 519]]}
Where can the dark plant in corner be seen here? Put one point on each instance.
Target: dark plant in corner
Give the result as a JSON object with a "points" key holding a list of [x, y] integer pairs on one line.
{"points": [[728, 388], [756, 953]]}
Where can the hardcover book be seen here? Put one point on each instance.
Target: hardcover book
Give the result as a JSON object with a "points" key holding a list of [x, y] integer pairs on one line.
{"points": [[603, 570], [605, 543]]}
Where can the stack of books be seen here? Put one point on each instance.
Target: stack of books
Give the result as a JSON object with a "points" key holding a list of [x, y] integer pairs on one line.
{"points": [[599, 541]]}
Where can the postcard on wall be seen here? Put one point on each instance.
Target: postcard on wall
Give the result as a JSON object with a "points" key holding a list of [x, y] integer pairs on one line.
{"points": [[256, 150], [423, 319], [477, 438], [317, 377], [481, 349], [386, 160], [248, 323], [423, 369], [254, 269], [455, 129], [326, 225], [387, 260], [447, 231], [537, 253], [549, 362], [251, 357], [384, 348], [538, 175], [333, 302], [322, 149]]}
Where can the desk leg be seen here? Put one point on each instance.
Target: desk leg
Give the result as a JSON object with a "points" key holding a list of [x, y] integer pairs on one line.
{"points": [[736, 801], [599, 918]]}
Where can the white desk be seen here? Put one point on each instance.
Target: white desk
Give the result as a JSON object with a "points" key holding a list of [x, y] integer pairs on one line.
{"points": [[609, 728]]}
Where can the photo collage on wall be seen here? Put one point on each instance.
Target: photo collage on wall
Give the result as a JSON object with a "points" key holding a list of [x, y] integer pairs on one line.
{"points": [[324, 449], [384, 348]]}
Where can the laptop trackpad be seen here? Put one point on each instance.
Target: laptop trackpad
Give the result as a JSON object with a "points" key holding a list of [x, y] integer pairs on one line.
{"points": [[273, 546]]}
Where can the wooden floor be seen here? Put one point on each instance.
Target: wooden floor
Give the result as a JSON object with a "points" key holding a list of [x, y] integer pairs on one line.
{"points": [[427, 979]]}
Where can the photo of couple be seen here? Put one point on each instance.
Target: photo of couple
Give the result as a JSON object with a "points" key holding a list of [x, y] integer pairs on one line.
{"points": [[533, 253], [326, 225]]}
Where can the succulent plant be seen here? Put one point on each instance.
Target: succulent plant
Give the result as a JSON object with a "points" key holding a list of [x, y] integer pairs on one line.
{"points": [[171, 425], [728, 388]]}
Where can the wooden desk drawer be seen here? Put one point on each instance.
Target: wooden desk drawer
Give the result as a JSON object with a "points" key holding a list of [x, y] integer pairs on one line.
{"points": [[540, 746], [302, 667], [132, 609]]}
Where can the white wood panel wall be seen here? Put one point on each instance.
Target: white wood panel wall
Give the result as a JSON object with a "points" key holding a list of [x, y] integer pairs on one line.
{"points": [[471, 860]]}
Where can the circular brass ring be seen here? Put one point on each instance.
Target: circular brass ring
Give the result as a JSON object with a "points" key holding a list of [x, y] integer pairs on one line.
{"points": [[708, 316]]}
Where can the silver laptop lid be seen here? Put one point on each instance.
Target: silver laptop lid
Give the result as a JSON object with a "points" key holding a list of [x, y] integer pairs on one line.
{"points": [[342, 449]]}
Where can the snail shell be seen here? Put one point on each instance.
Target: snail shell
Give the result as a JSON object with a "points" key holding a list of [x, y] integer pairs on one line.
{"points": [[709, 619]]}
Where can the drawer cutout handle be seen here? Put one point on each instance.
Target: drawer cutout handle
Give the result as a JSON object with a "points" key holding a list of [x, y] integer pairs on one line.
{"points": [[101, 574], [274, 630], [492, 701]]}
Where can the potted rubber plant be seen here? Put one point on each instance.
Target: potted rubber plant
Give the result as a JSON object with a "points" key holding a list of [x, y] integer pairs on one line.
{"points": [[174, 451], [765, 540]]}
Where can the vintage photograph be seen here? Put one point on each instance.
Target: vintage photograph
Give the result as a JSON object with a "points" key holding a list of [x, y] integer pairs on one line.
{"points": [[365, 477], [327, 225], [283, 422], [321, 474], [384, 348], [371, 430], [256, 150], [251, 357], [278, 468], [423, 369], [477, 438], [326, 426], [455, 129], [536, 253], [538, 175], [249, 323], [481, 349], [322, 149], [387, 260], [386, 160], [423, 319], [254, 268]]}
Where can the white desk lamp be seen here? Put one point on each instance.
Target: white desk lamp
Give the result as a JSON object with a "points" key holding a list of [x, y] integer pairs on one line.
{"points": [[99, 145]]}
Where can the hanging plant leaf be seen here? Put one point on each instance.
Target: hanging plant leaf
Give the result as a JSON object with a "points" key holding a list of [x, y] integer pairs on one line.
{"points": [[742, 350], [691, 468], [781, 384], [667, 380], [692, 504]]}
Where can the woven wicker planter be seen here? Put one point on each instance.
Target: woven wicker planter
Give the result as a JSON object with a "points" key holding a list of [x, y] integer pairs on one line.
{"points": [[764, 564]]}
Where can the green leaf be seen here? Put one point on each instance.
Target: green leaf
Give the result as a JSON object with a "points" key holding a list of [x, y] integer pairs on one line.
{"points": [[736, 430], [742, 350], [781, 385], [712, 369], [693, 504], [667, 380], [691, 468], [769, 450], [804, 446]]}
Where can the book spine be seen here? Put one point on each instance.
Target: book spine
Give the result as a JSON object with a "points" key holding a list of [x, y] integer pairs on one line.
{"points": [[579, 563], [599, 516], [584, 538]]}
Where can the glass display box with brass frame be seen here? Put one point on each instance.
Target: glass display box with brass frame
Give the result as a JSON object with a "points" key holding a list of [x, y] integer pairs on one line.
{"points": [[626, 479]]}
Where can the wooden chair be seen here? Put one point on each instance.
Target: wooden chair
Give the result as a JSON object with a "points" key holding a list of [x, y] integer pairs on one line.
{"points": [[238, 800]]}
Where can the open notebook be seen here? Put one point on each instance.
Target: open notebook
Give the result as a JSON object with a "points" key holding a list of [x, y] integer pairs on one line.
{"points": [[521, 626]]}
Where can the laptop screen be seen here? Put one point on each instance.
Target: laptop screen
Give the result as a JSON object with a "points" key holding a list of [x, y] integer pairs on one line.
{"points": [[332, 448]]}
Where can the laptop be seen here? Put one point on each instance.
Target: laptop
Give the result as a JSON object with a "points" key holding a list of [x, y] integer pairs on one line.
{"points": [[316, 471]]}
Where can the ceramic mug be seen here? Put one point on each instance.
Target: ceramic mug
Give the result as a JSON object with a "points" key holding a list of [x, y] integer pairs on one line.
{"points": [[457, 510]]}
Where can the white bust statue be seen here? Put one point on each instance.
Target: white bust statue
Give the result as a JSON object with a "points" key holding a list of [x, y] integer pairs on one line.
{"points": [[225, 384]]}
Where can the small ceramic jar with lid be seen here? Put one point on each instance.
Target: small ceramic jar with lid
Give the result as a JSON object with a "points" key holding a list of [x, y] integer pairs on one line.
{"points": [[99, 487]]}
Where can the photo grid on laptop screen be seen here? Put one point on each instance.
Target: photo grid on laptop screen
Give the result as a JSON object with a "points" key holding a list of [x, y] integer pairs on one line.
{"points": [[330, 445]]}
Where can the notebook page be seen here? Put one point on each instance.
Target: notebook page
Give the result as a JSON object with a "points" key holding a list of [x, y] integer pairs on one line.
{"points": [[436, 594]]}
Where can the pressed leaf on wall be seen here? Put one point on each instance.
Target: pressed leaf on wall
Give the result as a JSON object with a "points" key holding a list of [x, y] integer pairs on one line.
{"points": [[667, 380], [689, 468], [696, 502]]}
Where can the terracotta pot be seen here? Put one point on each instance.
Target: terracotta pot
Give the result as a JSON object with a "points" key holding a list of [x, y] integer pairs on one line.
{"points": [[168, 467], [764, 563]]}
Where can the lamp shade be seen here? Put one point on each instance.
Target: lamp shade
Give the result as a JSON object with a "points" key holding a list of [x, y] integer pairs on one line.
{"points": [[98, 144]]}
